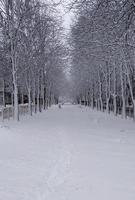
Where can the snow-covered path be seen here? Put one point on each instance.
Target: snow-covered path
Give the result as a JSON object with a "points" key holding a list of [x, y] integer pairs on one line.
{"points": [[68, 154]]}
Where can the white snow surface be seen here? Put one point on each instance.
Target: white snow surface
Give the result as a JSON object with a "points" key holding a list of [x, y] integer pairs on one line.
{"points": [[71, 153]]}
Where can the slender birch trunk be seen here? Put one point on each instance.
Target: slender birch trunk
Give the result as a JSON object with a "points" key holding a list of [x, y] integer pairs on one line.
{"points": [[100, 93], [14, 64], [29, 102], [34, 97], [38, 97], [123, 94], [114, 93]]}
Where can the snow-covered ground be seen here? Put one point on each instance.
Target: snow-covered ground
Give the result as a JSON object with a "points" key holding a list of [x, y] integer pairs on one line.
{"points": [[68, 154]]}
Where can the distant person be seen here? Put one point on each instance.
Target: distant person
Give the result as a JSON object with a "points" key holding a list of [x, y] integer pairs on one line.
{"points": [[59, 105]]}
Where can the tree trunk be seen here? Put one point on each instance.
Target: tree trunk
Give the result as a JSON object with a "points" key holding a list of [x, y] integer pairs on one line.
{"points": [[22, 100], [107, 94], [34, 98], [115, 105], [29, 102], [107, 105], [114, 95], [14, 65], [123, 95], [38, 103], [100, 93], [16, 107], [15, 87], [4, 103]]}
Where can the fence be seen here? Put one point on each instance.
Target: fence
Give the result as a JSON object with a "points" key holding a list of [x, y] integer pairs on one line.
{"points": [[129, 109], [8, 112]]}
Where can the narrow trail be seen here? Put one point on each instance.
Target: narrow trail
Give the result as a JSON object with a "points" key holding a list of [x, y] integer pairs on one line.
{"points": [[71, 153]]}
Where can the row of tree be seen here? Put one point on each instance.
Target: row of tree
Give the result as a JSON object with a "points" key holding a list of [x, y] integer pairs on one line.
{"points": [[31, 53], [102, 44]]}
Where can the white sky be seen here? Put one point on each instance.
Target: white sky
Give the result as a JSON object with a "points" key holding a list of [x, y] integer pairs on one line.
{"points": [[67, 16]]}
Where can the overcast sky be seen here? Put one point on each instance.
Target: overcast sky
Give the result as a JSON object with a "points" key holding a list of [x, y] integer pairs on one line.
{"points": [[67, 16]]}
